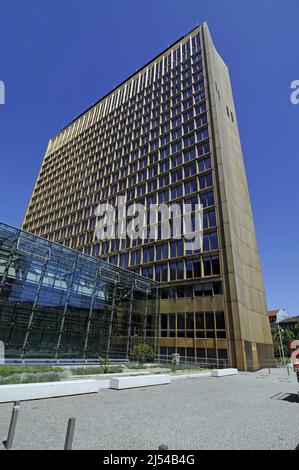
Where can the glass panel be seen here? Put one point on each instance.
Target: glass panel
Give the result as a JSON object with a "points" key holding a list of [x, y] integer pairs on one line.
{"points": [[210, 321], [199, 317], [57, 302], [181, 321], [220, 323]]}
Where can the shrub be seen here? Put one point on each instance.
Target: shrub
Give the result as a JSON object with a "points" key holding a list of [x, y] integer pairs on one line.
{"points": [[105, 363], [31, 378], [95, 370], [6, 370], [143, 352], [133, 366]]}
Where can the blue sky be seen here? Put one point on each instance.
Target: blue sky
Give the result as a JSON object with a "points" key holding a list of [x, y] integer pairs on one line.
{"points": [[59, 57]]}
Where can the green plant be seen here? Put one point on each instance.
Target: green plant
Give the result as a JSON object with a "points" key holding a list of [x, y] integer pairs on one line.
{"points": [[6, 371], [92, 370], [286, 336], [133, 366], [86, 370], [32, 378], [105, 363], [115, 369], [188, 367], [143, 352]]}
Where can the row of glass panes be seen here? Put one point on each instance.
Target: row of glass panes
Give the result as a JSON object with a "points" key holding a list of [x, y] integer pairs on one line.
{"points": [[199, 334], [154, 229], [173, 192], [164, 128], [187, 155], [154, 89], [109, 151], [152, 142], [158, 97], [28, 272], [177, 270], [127, 144], [70, 228], [132, 122], [202, 289], [78, 144], [196, 56], [125, 108], [176, 97], [212, 320], [146, 160], [112, 136], [162, 251], [140, 191], [170, 177], [50, 185], [205, 199], [165, 151], [206, 357], [88, 227]]}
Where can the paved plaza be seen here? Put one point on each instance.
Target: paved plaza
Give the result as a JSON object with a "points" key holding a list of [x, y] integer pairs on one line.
{"points": [[248, 411]]}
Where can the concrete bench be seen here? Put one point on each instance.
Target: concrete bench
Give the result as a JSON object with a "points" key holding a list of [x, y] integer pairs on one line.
{"points": [[223, 372], [194, 375], [121, 383], [103, 384], [36, 391]]}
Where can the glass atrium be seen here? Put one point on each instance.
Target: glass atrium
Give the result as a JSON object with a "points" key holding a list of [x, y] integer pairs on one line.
{"points": [[58, 303]]}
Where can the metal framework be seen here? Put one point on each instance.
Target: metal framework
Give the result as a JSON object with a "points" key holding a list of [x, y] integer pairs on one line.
{"points": [[58, 303]]}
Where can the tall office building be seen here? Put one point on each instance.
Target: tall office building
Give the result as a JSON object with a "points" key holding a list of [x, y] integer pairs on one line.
{"points": [[167, 134]]}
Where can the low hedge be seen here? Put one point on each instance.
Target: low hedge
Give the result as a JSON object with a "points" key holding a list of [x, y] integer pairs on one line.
{"points": [[25, 378], [95, 370], [6, 371]]}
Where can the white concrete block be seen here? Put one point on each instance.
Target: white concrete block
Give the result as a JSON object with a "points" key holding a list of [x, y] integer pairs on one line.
{"points": [[195, 375], [103, 384], [120, 383], [36, 391], [223, 372]]}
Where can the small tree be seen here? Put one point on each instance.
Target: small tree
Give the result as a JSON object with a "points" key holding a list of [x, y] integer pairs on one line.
{"points": [[143, 352], [105, 363], [286, 337]]}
